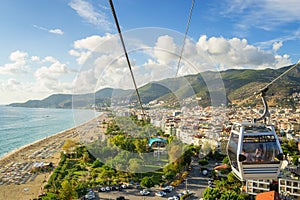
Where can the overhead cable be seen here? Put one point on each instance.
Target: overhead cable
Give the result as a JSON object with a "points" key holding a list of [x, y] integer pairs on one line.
{"points": [[185, 35], [126, 55]]}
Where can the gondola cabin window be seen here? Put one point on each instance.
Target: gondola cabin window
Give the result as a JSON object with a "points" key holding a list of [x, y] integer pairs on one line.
{"points": [[255, 129], [260, 149], [232, 150]]}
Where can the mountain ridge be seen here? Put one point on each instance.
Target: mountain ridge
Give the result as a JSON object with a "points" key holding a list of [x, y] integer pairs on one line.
{"points": [[240, 85]]}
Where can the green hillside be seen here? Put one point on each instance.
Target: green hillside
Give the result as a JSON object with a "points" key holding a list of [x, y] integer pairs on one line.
{"points": [[239, 84]]}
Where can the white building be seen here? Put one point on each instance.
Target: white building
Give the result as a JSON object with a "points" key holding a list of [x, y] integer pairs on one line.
{"points": [[289, 187], [257, 186]]}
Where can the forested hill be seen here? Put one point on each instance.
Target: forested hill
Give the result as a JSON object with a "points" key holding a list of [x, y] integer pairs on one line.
{"points": [[240, 84]]}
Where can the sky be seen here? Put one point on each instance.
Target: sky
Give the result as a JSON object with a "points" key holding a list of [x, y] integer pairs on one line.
{"points": [[72, 46]]}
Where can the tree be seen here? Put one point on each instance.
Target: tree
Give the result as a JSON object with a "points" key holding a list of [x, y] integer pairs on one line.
{"points": [[147, 182], [295, 160], [243, 196], [187, 155], [226, 161], [211, 194], [55, 186], [141, 145], [229, 195], [107, 174], [135, 165], [96, 164], [69, 146], [170, 175], [86, 157], [222, 184], [81, 188], [231, 178], [174, 153], [67, 191], [208, 146], [203, 162], [50, 196]]}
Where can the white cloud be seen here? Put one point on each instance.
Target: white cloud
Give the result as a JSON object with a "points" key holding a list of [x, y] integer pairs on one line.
{"points": [[236, 53], [12, 84], [17, 65], [107, 45], [277, 45], [266, 14], [34, 58], [104, 64], [217, 45], [86, 10], [49, 78], [96, 43], [293, 35], [55, 70], [82, 56], [85, 82], [56, 31], [165, 49]]}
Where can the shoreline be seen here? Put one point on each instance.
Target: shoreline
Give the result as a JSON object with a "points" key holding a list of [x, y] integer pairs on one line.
{"points": [[46, 150], [24, 147]]}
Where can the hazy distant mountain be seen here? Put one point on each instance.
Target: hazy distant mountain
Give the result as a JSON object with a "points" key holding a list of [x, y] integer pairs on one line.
{"points": [[240, 85], [53, 101]]}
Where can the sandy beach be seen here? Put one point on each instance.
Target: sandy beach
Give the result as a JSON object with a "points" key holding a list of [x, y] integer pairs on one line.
{"points": [[17, 181]]}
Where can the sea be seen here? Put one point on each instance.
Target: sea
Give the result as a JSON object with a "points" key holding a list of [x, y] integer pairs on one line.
{"points": [[21, 126]]}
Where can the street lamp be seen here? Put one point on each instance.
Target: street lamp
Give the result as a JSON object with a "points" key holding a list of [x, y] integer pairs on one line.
{"points": [[186, 184]]}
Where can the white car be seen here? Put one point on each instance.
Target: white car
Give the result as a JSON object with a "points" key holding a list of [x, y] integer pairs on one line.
{"points": [[186, 192], [90, 195], [173, 198], [160, 194], [144, 192], [170, 188]]}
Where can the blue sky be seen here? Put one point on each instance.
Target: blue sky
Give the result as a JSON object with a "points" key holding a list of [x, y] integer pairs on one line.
{"points": [[46, 45]]}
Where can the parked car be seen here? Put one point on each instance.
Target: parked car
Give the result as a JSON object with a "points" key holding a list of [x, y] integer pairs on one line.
{"points": [[168, 189], [180, 194], [144, 192], [90, 195], [138, 186], [120, 198], [114, 187], [174, 198], [160, 194], [187, 192], [102, 189]]}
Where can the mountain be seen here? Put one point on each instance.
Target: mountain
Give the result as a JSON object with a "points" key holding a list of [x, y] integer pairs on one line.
{"points": [[53, 101], [240, 85]]}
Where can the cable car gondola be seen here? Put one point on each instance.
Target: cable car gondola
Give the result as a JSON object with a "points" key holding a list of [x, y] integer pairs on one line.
{"points": [[254, 150]]}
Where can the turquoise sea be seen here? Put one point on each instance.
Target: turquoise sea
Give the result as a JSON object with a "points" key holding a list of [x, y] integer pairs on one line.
{"points": [[22, 126]]}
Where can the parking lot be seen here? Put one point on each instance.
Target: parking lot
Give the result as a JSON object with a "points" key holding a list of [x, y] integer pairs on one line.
{"points": [[195, 183]]}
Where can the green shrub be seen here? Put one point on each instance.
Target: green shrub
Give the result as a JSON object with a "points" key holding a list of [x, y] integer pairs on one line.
{"points": [[147, 182], [203, 162]]}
